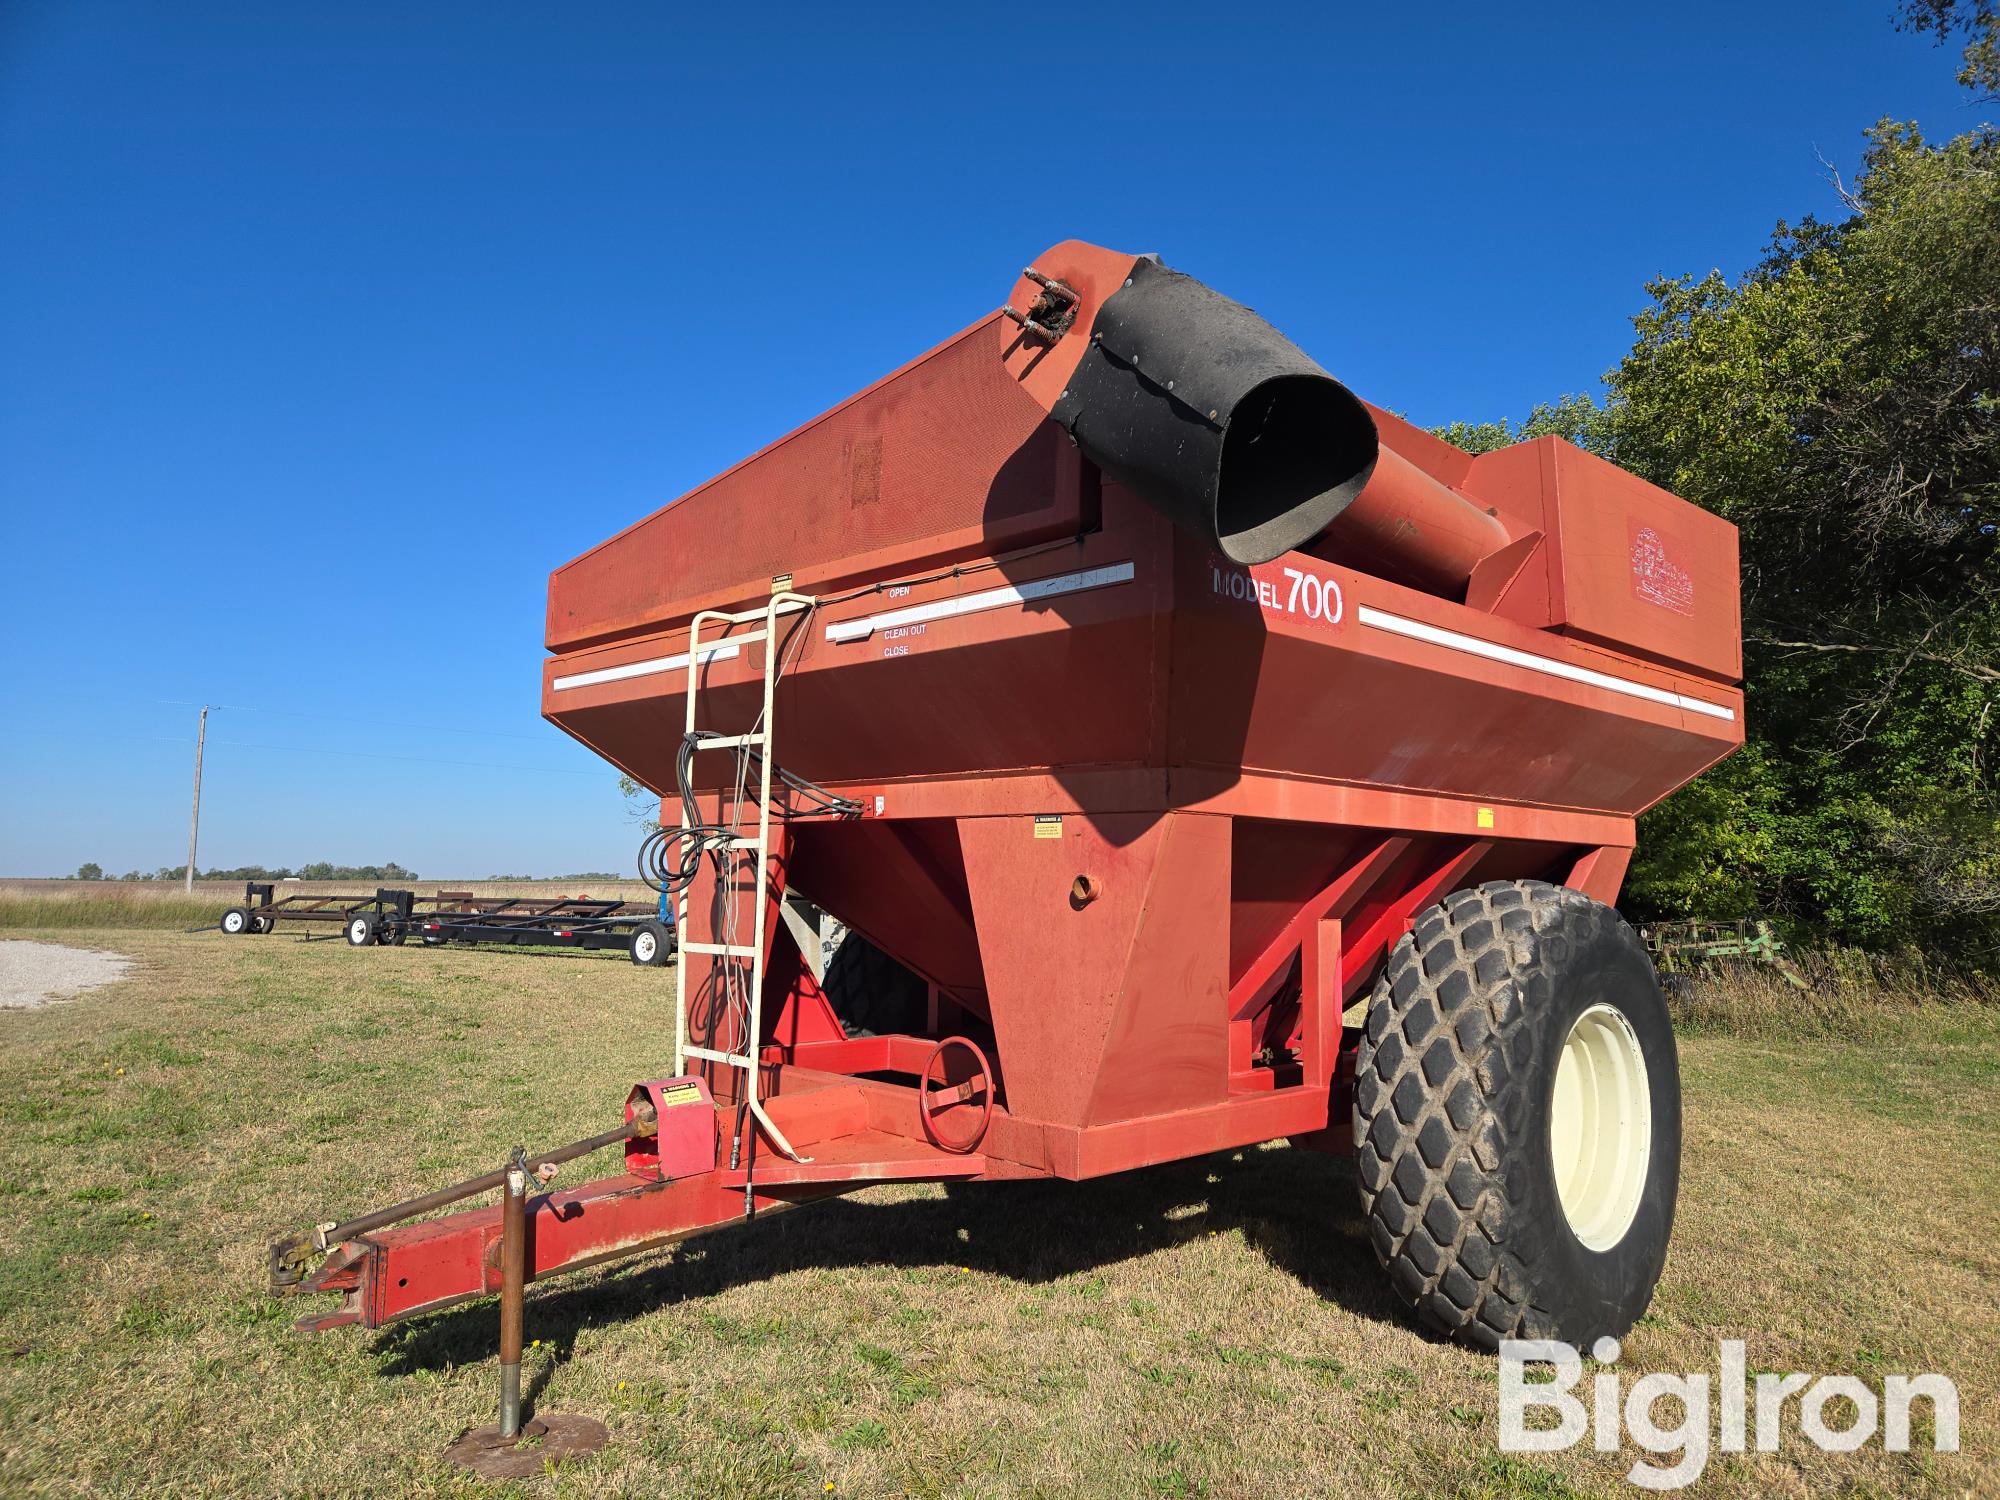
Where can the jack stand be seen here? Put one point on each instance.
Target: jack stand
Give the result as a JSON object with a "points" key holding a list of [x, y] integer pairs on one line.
{"points": [[497, 1450]]}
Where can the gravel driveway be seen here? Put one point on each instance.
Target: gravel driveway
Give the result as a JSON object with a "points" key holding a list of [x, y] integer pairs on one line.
{"points": [[33, 974]]}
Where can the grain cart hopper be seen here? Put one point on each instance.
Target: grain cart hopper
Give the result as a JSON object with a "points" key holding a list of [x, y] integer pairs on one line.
{"points": [[1227, 758]]}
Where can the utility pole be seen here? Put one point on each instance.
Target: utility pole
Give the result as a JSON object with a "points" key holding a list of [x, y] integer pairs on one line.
{"points": [[194, 819]]}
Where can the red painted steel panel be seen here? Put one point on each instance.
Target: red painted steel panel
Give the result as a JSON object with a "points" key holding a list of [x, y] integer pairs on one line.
{"points": [[945, 456], [1063, 982], [1628, 565], [1220, 743]]}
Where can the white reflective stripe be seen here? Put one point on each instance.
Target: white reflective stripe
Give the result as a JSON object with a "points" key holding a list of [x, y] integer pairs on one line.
{"points": [[1472, 645], [643, 668], [970, 604]]}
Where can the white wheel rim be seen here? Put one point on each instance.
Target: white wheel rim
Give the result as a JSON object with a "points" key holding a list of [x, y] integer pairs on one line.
{"points": [[646, 947], [232, 923], [1601, 1126], [356, 931]]}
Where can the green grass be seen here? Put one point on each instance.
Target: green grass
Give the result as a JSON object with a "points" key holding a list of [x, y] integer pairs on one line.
{"points": [[90, 908], [1215, 1327]]}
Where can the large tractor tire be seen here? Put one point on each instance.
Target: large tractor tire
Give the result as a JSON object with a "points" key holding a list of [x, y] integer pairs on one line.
{"points": [[871, 993], [1517, 1117]]}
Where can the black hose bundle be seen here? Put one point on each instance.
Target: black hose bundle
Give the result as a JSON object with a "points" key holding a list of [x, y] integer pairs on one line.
{"points": [[671, 854]]}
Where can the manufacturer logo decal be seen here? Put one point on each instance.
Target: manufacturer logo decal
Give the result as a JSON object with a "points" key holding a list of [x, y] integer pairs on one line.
{"points": [[1656, 577]]}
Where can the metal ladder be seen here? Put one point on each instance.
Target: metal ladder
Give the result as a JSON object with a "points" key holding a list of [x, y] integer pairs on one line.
{"points": [[763, 740]]}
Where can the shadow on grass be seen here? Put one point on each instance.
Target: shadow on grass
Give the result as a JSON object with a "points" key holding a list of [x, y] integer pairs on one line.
{"points": [[533, 952], [1298, 1209]]}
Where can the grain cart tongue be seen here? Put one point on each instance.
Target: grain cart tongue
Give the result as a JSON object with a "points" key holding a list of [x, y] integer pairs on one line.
{"points": [[1197, 756]]}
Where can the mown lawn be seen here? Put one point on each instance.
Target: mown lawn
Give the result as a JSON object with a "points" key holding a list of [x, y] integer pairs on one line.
{"points": [[1213, 1328]]}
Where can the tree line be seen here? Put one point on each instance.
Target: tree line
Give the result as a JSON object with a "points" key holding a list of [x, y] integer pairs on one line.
{"points": [[320, 870], [1839, 401]]}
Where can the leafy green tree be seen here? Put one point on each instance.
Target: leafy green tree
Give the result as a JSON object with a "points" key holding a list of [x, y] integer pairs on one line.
{"points": [[89, 871], [322, 870], [1840, 403], [1576, 419], [642, 804], [1975, 22]]}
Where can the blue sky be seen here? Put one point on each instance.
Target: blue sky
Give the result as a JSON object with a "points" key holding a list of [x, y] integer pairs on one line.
{"points": [[327, 330]]}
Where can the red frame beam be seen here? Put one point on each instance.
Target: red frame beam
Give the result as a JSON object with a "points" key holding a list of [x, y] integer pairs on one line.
{"points": [[422, 1267]]}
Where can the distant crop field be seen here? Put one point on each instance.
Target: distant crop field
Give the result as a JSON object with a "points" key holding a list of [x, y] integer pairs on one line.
{"points": [[163, 904], [1216, 1327]]}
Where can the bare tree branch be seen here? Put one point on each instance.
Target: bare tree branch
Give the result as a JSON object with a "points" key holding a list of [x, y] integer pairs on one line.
{"points": [[1950, 663]]}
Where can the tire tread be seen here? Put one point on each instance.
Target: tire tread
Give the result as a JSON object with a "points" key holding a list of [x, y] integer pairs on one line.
{"points": [[1434, 1115]]}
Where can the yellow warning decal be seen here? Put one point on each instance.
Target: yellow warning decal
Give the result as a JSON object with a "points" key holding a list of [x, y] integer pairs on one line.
{"points": [[1485, 817], [1048, 825], [680, 1093]]}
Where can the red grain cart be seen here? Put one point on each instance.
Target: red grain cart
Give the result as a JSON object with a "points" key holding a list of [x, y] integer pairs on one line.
{"points": [[1226, 759]]}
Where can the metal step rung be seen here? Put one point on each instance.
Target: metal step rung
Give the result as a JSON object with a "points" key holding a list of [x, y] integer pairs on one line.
{"points": [[728, 741], [723, 950], [789, 606], [708, 1054]]}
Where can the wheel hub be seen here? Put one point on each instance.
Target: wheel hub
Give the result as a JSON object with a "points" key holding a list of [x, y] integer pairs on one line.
{"points": [[1601, 1126]]}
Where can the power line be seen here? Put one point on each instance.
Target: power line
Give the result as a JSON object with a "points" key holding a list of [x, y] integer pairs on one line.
{"points": [[303, 713], [426, 760]]}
